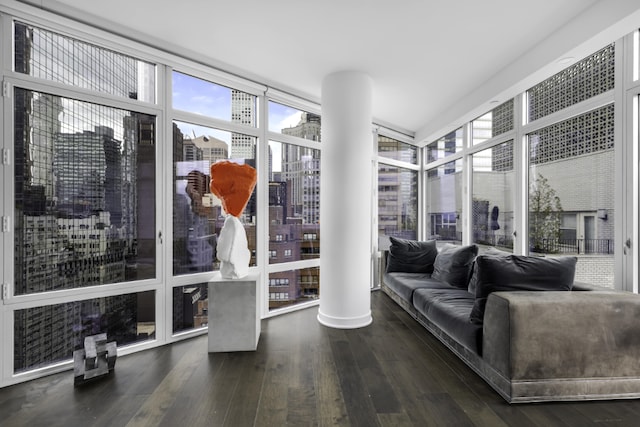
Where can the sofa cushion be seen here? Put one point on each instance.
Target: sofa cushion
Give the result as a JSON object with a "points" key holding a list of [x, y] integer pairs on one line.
{"points": [[520, 273], [411, 256], [404, 284], [449, 310], [490, 251], [453, 264]]}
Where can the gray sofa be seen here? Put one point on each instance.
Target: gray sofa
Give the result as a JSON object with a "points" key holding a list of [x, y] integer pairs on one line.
{"points": [[533, 337]]}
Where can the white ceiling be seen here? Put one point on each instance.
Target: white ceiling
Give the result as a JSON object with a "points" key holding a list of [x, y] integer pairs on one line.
{"points": [[432, 62]]}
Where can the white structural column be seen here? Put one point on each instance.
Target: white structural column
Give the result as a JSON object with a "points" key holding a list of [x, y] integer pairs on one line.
{"points": [[345, 200]]}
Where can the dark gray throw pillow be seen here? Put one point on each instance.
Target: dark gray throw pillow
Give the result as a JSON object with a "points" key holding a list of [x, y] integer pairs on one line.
{"points": [[520, 273], [453, 264], [490, 251], [411, 256]]}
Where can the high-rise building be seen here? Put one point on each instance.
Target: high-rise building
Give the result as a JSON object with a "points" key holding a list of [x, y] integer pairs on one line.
{"points": [[46, 109], [243, 111], [211, 149], [301, 170], [308, 127]]}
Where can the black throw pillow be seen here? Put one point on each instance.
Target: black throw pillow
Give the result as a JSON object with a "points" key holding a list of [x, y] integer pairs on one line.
{"points": [[453, 265], [490, 251], [411, 256], [520, 273]]}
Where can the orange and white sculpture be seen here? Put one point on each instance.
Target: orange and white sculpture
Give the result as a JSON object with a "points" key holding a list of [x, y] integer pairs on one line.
{"points": [[233, 184]]}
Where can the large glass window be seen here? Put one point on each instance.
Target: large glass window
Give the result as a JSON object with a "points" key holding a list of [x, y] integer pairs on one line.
{"points": [[203, 97], [84, 193], [493, 205], [49, 334], [444, 202], [571, 192], [397, 202], [571, 169], [47, 55], [294, 206], [197, 217], [294, 203]]}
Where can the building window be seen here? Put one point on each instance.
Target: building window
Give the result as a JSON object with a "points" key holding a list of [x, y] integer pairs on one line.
{"points": [[278, 282], [279, 296]]}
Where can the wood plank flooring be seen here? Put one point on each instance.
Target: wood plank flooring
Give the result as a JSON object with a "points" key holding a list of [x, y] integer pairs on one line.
{"points": [[391, 373]]}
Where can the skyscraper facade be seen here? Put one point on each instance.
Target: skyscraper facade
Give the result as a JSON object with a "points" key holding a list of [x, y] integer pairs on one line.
{"points": [[243, 111]]}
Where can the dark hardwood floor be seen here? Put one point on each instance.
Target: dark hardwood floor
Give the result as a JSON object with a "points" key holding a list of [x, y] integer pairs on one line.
{"points": [[391, 373]]}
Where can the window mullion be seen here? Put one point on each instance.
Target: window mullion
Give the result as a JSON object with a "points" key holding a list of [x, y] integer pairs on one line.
{"points": [[521, 170]]}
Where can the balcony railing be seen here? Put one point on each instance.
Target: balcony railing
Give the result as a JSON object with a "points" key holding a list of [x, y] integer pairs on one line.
{"points": [[574, 246]]}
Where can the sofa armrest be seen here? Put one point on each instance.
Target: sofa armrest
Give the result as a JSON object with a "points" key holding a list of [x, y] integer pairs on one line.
{"points": [[540, 335], [583, 286]]}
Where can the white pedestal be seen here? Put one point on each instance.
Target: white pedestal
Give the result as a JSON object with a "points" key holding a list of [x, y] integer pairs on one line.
{"points": [[234, 314]]}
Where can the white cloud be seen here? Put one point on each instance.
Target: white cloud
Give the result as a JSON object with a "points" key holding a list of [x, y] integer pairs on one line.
{"points": [[288, 121]]}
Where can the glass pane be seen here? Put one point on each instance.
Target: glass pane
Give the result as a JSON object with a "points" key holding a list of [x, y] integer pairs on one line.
{"points": [[590, 77], [203, 97], [190, 307], [51, 56], [445, 146], [493, 202], [571, 193], [396, 150], [290, 121], [84, 194], [294, 203], [49, 334], [397, 202], [197, 220], [287, 288], [444, 202], [494, 123]]}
